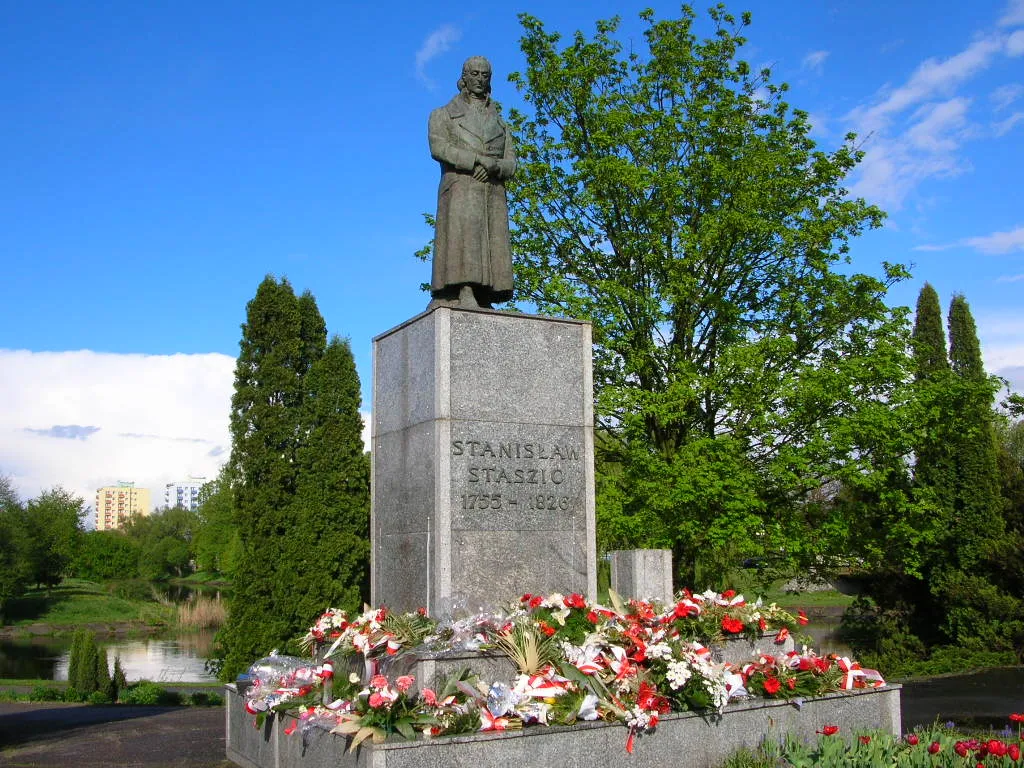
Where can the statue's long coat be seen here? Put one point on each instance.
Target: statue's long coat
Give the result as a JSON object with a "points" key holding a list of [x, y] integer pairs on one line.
{"points": [[471, 239]]}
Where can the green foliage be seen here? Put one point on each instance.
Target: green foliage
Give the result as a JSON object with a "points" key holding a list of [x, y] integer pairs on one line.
{"points": [[164, 541], [52, 521], [105, 556], [217, 543], [88, 664], [298, 473], [14, 574], [118, 681], [146, 693], [672, 197]]}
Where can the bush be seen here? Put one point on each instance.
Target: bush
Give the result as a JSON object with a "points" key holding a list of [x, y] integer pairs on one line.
{"points": [[46, 693], [203, 699], [146, 693], [98, 697]]}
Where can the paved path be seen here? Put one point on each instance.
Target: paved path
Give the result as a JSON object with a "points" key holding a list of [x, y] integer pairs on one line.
{"points": [[78, 736]]}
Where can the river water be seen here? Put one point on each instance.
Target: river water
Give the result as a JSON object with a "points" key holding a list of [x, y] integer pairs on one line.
{"points": [[179, 658]]}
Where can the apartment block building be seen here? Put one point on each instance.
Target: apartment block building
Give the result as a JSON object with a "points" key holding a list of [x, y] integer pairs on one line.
{"points": [[116, 503], [184, 494]]}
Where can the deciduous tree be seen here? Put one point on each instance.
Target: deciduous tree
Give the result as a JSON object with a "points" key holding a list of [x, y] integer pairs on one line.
{"points": [[668, 194]]}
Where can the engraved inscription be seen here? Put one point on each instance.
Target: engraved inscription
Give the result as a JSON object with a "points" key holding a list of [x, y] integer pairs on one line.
{"points": [[513, 476]]}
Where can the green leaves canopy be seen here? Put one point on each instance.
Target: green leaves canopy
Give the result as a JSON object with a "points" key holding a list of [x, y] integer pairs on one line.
{"points": [[675, 200]]}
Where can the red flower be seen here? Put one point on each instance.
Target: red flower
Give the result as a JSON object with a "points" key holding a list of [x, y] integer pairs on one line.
{"points": [[732, 625], [575, 600], [771, 685], [683, 610], [762, 624], [291, 728], [404, 682], [802, 618], [592, 617], [781, 637], [376, 700], [960, 748], [729, 593], [421, 611], [378, 681], [525, 598], [535, 601], [913, 740], [791, 683], [934, 748], [996, 747], [1017, 717], [829, 730], [1013, 752], [864, 739], [429, 696], [546, 628]]}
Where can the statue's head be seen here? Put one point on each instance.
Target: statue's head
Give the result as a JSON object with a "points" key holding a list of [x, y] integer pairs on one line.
{"points": [[476, 77]]}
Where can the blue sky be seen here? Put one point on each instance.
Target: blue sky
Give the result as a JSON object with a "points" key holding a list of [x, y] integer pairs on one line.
{"points": [[160, 158]]}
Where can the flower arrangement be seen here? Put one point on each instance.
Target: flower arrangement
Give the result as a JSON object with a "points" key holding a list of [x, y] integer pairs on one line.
{"points": [[630, 662]]}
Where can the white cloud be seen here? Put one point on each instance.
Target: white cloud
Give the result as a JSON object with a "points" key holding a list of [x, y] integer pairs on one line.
{"points": [[914, 132], [998, 242], [995, 243], [87, 419], [1014, 14], [939, 127], [437, 42], [1005, 95], [1003, 127], [1015, 43], [815, 61], [1010, 278]]}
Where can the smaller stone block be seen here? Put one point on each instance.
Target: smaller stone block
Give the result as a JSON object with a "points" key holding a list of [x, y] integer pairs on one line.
{"points": [[642, 573]]}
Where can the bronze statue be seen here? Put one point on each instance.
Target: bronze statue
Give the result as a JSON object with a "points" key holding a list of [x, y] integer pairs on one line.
{"points": [[472, 260]]}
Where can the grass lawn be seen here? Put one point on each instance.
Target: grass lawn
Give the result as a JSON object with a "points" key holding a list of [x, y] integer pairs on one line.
{"points": [[75, 602]]}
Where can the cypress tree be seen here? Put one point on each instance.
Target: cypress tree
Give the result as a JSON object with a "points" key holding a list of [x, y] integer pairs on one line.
{"points": [[928, 337], [282, 338], [74, 660], [102, 671], [978, 502], [934, 468], [334, 486]]}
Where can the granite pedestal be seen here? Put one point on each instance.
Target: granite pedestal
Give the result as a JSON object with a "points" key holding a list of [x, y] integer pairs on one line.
{"points": [[696, 741], [483, 479], [642, 573]]}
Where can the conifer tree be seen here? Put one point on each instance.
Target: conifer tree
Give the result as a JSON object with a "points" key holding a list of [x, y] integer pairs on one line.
{"points": [[934, 470], [299, 476], [978, 503], [334, 486]]}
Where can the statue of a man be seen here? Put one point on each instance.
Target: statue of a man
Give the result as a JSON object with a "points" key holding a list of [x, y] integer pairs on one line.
{"points": [[472, 260]]}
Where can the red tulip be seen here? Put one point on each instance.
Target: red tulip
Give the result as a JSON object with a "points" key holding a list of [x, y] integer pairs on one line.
{"points": [[865, 739], [934, 747], [913, 740], [829, 730], [1013, 752]]}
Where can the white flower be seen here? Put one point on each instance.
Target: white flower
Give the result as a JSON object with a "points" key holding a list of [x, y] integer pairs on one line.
{"points": [[659, 651], [678, 674]]}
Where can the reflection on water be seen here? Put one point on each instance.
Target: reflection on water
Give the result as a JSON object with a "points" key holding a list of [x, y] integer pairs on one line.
{"points": [[170, 659]]}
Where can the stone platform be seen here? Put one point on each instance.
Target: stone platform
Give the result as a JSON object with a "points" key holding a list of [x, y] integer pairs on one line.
{"points": [[696, 741]]}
